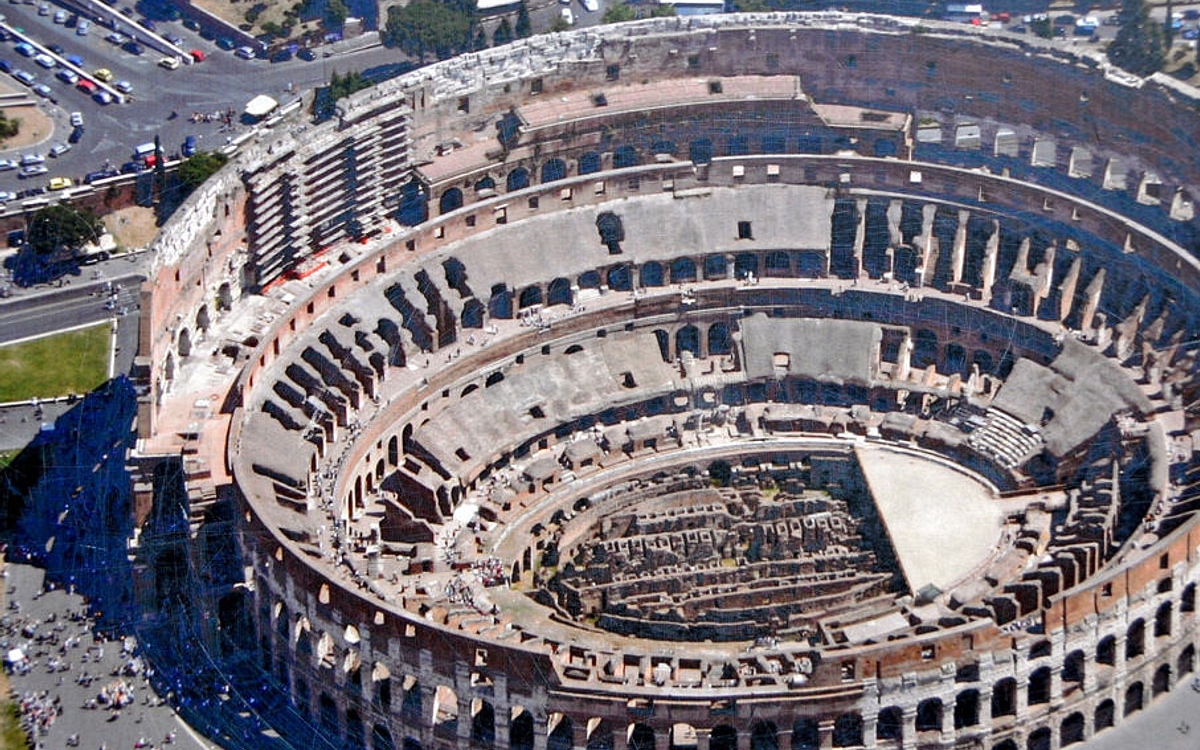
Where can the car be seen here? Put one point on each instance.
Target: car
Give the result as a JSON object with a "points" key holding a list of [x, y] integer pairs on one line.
{"points": [[75, 60], [173, 39], [87, 86], [282, 55], [60, 183], [197, 55], [31, 159], [76, 119], [56, 49], [8, 164], [6, 66], [245, 53], [191, 25], [170, 63], [30, 192], [46, 61], [1191, 14], [116, 38], [82, 28], [567, 16], [1190, 34], [25, 77], [99, 174], [59, 149], [147, 24], [103, 74], [102, 98], [42, 90], [67, 76], [132, 167], [123, 86], [60, 16], [72, 21], [189, 146], [133, 48], [44, 9], [32, 170], [591, 6], [76, 134], [307, 55], [25, 49], [7, 195], [225, 43]]}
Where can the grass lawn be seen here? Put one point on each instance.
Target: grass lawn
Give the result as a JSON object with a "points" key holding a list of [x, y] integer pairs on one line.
{"points": [[73, 362]]}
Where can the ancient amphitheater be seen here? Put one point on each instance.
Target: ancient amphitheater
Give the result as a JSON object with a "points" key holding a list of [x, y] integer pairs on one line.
{"points": [[747, 383]]}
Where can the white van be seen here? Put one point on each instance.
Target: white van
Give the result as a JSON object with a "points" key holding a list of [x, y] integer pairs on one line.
{"points": [[144, 150], [591, 6]]}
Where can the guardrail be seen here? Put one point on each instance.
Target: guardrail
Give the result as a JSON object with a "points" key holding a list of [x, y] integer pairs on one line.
{"points": [[95, 9], [83, 74]]}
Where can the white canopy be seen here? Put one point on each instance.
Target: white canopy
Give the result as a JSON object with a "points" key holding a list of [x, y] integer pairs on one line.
{"points": [[261, 106]]}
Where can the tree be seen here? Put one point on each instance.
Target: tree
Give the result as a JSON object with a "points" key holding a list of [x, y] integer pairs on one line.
{"points": [[62, 227], [336, 13], [1140, 45], [197, 168], [618, 13], [427, 25], [8, 127], [503, 33], [523, 28]]}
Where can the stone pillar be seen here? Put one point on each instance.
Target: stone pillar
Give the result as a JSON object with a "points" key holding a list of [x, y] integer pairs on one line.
{"points": [[743, 740], [1022, 698], [703, 739], [985, 706], [908, 729], [825, 732], [870, 722], [465, 720], [540, 730], [948, 732], [1056, 684], [860, 235]]}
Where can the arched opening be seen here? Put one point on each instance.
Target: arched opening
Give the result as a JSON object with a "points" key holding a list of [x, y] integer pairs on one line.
{"points": [[715, 267], [412, 743], [1006, 745], [452, 199], [185, 343], [555, 169], [955, 360], [925, 349], [889, 726], [327, 714], [393, 450], [778, 264], [683, 737], [472, 314], [484, 184], [966, 709], [663, 147], [619, 278], [518, 179], [562, 732], [1134, 697], [611, 230], [413, 207], [1187, 599], [664, 344], [224, 296], [1039, 739], [1074, 667], [520, 729], [983, 360], [806, 734], [1105, 713], [641, 737], [651, 274], [599, 734], [848, 730], [1106, 650], [530, 296], [1135, 639], [1162, 681], [625, 156], [354, 729], [589, 163], [929, 715], [381, 738], [683, 270], [1039, 686], [559, 292], [745, 265], [445, 711], [687, 340], [763, 736], [1071, 730], [500, 302], [483, 723], [1004, 697], [718, 339], [589, 280], [202, 319], [381, 686], [700, 151], [1162, 620], [723, 737], [410, 706], [1187, 660]]}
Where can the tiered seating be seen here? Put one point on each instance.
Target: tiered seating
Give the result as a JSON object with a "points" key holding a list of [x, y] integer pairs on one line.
{"points": [[1005, 439]]}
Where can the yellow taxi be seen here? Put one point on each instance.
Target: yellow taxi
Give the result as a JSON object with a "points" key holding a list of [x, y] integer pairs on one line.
{"points": [[103, 74], [60, 183]]}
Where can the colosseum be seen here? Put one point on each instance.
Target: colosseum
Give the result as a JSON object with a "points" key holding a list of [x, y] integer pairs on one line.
{"points": [[749, 382]]}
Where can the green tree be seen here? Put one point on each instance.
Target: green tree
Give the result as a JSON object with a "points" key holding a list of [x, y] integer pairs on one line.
{"points": [[1140, 45], [618, 13], [560, 24], [662, 10], [8, 127], [336, 13], [197, 168], [60, 228], [1043, 27], [503, 33], [523, 28], [428, 26]]}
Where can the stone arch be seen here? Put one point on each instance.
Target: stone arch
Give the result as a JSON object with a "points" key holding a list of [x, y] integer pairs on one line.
{"points": [[715, 266], [778, 264], [966, 709], [381, 686], [444, 715], [1074, 667], [625, 156], [393, 450], [700, 151], [520, 729], [599, 734], [1106, 650], [925, 349], [1072, 729], [1162, 681], [664, 348], [1162, 620], [1039, 739], [381, 738], [929, 715], [354, 729], [451, 200], [1187, 599], [589, 163], [806, 734], [687, 339], [410, 703], [683, 270], [745, 265], [1134, 698], [1105, 713], [518, 179], [185, 343], [722, 737], [848, 730], [683, 737], [1135, 639], [327, 714], [554, 169], [641, 737], [500, 302], [472, 314], [719, 342], [764, 736], [412, 743], [651, 274], [589, 280], [559, 292], [225, 296], [529, 297], [413, 207], [203, 321], [1004, 697], [1187, 660], [485, 183], [619, 279], [954, 358], [1039, 686], [1006, 745], [889, 725], [561, 732]]}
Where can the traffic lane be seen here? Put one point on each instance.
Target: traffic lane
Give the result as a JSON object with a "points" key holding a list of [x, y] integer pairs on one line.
{"points": [[87, 304]]}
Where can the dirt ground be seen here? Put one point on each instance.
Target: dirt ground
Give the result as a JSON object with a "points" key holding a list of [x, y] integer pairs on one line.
{"points": [[234, 11], [36, 125], [133, 227]]}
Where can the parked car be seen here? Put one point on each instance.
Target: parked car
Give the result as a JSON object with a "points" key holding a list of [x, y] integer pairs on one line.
{"points": [[133, 48], [42, 90], [124, 87], [32, 170], [103, 74], [173, 39], [76, 119], [246, 53], [225, 43], [59, 149], [82, 28], [102, 98], [189, 146], [76, 134], [46, 61], [87, 86], [6, 66], [34, 158], [25, 49], [307, 55], [116, 38], [99, 174], [25, 77], [60, 16], [60, 183], [191, 25], [7, 165], [67, 76], [146, 23], [197, 55], [282, 55], [170, 63]]}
